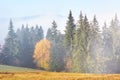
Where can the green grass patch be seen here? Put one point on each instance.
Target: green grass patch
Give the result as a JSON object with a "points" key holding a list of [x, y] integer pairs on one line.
{"points": [[6, 68]]}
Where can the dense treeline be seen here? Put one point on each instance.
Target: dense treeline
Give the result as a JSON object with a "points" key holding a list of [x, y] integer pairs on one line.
{"points": [[19, 46], [82, 48]]}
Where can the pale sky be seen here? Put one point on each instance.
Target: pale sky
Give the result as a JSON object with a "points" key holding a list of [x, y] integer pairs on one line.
{"points": [[43, 12]]}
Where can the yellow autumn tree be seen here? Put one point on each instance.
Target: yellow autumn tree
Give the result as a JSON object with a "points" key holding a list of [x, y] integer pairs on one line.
{"points": [[42, 54]]}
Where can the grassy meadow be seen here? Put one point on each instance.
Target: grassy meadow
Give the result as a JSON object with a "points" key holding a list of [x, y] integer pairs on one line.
{"points": [[18, 73]]}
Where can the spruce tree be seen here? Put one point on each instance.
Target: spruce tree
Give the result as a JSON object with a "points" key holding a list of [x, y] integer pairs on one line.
{"points": [[69, 41], [107, 49], [26, 47], [115, 31], [57, 49], [81, 49], [39, 34], [76, 52], [95, 50], [49, 33], [11, 47], [70, 31]]}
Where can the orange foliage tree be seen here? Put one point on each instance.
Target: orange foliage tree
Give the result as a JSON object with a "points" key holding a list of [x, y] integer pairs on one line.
{"points": [[42, 54]]}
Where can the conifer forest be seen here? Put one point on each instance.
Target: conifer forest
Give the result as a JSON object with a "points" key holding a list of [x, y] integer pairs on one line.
{"points": [[84, 46]]}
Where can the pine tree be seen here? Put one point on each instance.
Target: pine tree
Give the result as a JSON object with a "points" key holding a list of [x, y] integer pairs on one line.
{"points": [[95, 50], [107, 49], [11, 47], [27, 38], [70, 31], [57, 49], [26, 47], [69, 40], [52, 32], [115, 31], [49, 33], [39, 34], [81, 49], [76, 52]]}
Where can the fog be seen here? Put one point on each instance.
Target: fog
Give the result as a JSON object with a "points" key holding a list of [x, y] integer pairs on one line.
{"points": [[44, 20], [63, 36]]}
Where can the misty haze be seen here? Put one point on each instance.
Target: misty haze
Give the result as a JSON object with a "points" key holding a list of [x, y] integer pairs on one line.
{"points": [[60, 40]]}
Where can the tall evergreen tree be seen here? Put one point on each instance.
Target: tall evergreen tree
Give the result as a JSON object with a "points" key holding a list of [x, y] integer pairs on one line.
{"points": [[11, 48], [28, 37], [77, 56], [26, 50], [115, 31], [69, 40], [57, 49], [107, 49], [82, 38], [70, 31], [38, 33], [49, 33], [95, 51]]}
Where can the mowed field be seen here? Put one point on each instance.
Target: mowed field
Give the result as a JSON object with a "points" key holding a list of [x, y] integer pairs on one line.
{"points": [[17, 73]]}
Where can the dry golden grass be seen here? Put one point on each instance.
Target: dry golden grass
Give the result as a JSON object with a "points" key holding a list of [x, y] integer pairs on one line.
{"points": [[55, 76]]}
